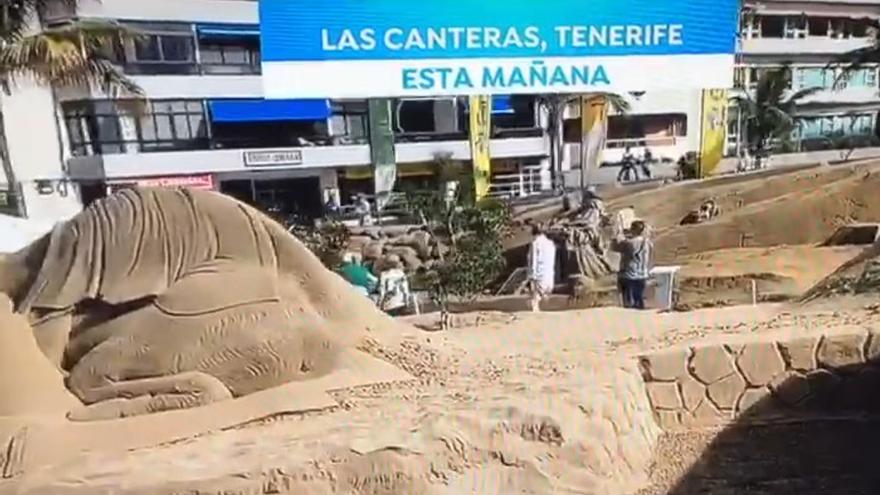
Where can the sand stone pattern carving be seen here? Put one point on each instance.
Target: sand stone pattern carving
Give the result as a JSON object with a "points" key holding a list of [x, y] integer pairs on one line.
{"points": [[163, 299], [764, 380]]}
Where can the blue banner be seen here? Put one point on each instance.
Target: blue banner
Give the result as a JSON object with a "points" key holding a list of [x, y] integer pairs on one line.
{"points": [[309, 30]]}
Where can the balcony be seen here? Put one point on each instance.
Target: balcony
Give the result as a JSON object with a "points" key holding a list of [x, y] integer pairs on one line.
{"points": [[804, 46], [232, 11], [122, 166], [414, 152]]}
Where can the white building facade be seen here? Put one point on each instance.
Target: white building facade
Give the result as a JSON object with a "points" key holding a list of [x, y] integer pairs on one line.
{"points": [[810, 37], [205, 124]]}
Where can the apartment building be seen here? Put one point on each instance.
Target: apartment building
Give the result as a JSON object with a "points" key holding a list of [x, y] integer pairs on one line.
{"points": [[205, 123], [809, 37]]}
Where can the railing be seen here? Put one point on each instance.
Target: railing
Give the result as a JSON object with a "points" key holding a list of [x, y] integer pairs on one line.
{"points": [[524, 184], [642, 142]]}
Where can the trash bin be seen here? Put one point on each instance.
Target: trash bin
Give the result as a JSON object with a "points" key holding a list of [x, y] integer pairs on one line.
{"points": [[664, 285]]}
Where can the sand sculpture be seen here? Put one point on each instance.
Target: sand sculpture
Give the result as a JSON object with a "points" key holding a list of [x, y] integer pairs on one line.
{"points": [[158, 300]]}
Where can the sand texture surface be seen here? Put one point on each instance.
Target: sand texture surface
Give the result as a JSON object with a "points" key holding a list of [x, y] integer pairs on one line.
{"points": [[542, 404], [158, 315]]}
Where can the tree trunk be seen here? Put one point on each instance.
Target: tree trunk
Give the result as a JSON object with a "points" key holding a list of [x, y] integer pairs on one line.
{"points": [[8, 171]]}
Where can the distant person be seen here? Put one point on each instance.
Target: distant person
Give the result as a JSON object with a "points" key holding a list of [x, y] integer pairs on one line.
{"points": [[358, 275], [542, 267], [331, 207], [647, 160], [636, 251], [627, 166], [364, 210]]}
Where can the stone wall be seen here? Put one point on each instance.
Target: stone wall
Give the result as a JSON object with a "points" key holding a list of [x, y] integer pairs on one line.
{"points": [[381, 248], [769, 379]]}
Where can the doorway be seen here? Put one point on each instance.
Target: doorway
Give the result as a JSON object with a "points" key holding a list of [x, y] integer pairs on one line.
{"points": [[299, 196]]}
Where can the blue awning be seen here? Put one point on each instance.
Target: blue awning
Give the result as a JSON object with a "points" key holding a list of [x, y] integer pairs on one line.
{"points": [[227, 30], [500, 104], [268, 110]]}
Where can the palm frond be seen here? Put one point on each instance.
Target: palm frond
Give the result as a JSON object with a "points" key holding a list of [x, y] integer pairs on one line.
{"points": [[617, 102], [795, 97], [16, 15], [858, 58], [76, 55]]}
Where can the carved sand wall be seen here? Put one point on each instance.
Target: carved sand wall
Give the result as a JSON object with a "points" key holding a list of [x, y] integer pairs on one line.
{"points": [[769, 378]]}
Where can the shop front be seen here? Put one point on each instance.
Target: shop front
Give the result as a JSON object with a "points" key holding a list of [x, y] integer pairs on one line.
{"points": [[203, 182]]}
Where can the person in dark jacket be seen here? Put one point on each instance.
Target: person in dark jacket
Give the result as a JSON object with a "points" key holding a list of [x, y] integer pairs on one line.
{"points": [[636, 251]]}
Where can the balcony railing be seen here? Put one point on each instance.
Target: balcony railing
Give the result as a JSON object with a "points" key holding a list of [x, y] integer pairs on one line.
{"points": [[649, 141]]}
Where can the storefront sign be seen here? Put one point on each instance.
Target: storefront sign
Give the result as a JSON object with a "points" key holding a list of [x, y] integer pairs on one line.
{"points": [[272, 158], [205, 182], [385, 48], [481, 133]]}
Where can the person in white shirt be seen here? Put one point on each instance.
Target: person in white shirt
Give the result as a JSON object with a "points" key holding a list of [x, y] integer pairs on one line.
{"points": [[542, 267]]}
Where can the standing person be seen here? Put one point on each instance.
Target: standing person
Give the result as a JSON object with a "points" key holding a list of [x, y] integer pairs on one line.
{"points": [[647, 160], [542, 267], [628, 166], [364, 210], [635, 251]]}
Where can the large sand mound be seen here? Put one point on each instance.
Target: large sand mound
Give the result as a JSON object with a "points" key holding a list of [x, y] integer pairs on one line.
{"points": [[179, 311], [802, 207]]}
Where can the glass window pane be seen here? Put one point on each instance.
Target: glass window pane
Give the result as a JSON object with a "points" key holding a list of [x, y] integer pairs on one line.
{"points": [[161, 107], [194, 106], [108, 129], [74, 131], [235, 55], [147, 48], [181, 127], [177, 49], [164, 130], [147, 128], [177, 106], [211, 54], [198, 125], [358, 126]]}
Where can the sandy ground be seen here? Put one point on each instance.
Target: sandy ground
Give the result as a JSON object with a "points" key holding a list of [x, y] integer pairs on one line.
{"points": [[383, 439], [511, 402], [724, 277]]}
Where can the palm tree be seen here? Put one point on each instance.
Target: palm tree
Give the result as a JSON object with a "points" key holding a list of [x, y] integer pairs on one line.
{"points": [[768, 114], [867, 55], [555, 104], [77, 54]]}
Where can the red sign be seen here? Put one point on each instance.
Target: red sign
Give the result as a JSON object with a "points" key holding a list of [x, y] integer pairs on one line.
{"points": [[191, 181]]}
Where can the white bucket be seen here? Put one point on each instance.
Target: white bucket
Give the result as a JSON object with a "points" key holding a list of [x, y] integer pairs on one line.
{"points": [[664, 285]]}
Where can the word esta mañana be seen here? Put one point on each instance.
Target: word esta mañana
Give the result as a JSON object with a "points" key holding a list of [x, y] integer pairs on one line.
{"points": [[535, 75]]}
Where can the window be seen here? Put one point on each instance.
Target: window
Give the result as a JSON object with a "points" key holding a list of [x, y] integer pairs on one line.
{"points": [[93, 128], [740, 77], [350, 120], [796, 27], [415, 116], [161, 49], [238, 56], [750, 25], [521, 117], [870, 75], [173, 125], [772, 26], [819, 26], [641, 130]]}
